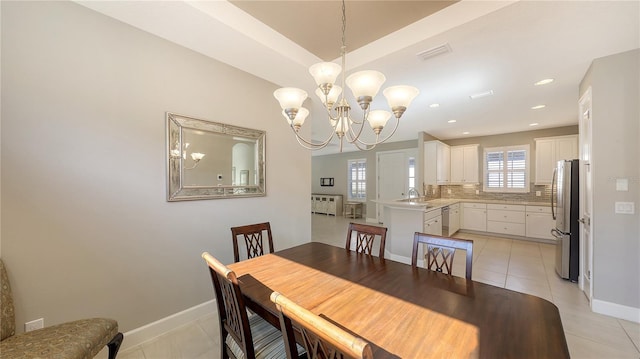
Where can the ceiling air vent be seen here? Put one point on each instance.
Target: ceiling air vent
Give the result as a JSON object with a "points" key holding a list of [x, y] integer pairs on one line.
{"points": [[434, 51]]}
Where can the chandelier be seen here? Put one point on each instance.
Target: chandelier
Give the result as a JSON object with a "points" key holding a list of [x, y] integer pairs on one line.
{"points": [[364, 86]]}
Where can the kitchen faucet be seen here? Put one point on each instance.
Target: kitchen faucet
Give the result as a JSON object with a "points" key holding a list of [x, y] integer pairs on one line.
{"points": [[413, 193]]}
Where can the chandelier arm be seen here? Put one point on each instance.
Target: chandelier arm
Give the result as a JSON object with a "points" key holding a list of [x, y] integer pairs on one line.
{"points": [[358, 140], [355, 137], [310, 145]]}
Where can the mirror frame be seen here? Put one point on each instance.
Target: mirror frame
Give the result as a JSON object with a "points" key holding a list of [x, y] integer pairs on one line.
{"points": [[177, 191]]}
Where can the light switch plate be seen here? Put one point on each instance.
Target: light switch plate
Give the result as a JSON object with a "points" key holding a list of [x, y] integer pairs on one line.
{"points": [[625, 208], [622, 184], [538, 193]]}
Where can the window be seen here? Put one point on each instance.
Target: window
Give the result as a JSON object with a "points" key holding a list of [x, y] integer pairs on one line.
{"points": [[412, 172], [357, 180], [506, 169]]}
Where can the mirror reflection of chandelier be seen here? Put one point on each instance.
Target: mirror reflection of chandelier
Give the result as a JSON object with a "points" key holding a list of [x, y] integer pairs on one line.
{"points": [[364, 86]]}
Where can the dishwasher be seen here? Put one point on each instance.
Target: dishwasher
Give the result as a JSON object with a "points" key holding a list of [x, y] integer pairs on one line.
{"points": [[445, 221]]}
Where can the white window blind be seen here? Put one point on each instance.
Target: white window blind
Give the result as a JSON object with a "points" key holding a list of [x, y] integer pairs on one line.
{"points": [[506, 169], [357, 178], [412, 172]]}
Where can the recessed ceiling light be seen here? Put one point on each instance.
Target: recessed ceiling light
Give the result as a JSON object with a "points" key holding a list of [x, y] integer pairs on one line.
{"points": [[434, 105], [538, 107], [544, 82], [465, 133], [481, 94], [451, 121], [533, 124]]}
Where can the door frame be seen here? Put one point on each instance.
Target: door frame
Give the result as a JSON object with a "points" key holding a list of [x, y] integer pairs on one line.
{"points": [[409, 152], [585, 278]]}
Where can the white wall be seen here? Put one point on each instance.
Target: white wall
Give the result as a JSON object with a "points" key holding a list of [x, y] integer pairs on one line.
{"points": [[86, 229], [615, 82]]}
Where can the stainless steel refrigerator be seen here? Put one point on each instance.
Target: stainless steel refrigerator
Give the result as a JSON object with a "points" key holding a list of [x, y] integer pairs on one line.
{"points": [[565, 210]]}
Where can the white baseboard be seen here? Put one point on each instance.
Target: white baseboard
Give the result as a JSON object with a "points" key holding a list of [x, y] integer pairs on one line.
{"points": [[616, 310], [397, 258], [152, 330]]}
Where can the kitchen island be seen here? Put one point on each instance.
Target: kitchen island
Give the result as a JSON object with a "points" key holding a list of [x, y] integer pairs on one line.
{"points": [[509, 219]]}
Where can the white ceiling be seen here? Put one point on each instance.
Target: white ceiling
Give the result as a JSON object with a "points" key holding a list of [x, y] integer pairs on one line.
{"points": [[503, 46]]}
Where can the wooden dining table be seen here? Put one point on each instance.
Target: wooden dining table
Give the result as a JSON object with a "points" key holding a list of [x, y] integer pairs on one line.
{"points": [[404, 312]]}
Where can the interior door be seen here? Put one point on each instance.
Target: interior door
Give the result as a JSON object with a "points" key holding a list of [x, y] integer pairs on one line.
{"points": [[586, 194], [392, 178]]}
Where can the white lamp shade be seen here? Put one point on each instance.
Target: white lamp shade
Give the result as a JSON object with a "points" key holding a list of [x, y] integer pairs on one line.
{"points": [[365, 83], [333, 94], [300, 116], [290, 97], [197, 156], [378, 118], [325, 72], [400, 95]]}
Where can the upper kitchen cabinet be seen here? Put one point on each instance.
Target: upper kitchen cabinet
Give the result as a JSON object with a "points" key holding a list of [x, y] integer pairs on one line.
{"points": [[436, 163], [464, 164], [549, 150]]}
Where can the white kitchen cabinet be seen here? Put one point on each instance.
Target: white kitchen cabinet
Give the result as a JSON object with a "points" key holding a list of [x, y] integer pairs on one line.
{"points": [[464, 164], [549, 150], [539, 222], [436, 163], [433, 222], [506, 219], [474, 216], [454, 219]]}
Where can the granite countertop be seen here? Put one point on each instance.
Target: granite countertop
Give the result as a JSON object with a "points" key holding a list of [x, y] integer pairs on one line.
{"points": [[422, 205]]}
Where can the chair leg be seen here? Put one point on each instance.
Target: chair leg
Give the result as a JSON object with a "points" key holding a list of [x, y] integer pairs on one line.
{"points": [[114, 345]]}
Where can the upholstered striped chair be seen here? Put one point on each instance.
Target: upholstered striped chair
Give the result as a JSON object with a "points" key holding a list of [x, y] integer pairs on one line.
{"points": [[78, 339], [242, 335]]}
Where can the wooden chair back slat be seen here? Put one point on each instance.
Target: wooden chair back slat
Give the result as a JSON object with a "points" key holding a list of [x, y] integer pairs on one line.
{"points": [[253, 235], [365, 238], [440, 252]]}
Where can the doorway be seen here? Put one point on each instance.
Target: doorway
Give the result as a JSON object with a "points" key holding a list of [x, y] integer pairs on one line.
{"points": [[392, 176]]}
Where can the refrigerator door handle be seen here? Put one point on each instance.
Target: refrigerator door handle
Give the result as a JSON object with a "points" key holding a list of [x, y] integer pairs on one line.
{"points": [[556, 233], [553, 182]]}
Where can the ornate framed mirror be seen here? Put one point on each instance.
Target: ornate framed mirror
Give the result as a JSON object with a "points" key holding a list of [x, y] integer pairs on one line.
{"points": [[212, 160]]}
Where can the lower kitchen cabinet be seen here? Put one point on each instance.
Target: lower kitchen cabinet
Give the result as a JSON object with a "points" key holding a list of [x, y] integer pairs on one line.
{"points": [[539, 222], [474, 216], [433, 222], [506, 219]]}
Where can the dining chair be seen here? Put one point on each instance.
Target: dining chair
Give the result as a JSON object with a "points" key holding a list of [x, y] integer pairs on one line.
{"points": [[365, 236], [253, 238], [241, 335], [440, 251], [321, 338], [80, 339]]}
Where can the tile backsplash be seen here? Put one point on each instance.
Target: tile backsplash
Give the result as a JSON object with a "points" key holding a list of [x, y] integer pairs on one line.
{"points": [[469, 192]]}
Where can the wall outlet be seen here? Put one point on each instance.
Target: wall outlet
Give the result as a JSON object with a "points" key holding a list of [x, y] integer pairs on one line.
{"points": [[538, 193], [477, 191], [448, 191], [434, 191], [34, 324]]}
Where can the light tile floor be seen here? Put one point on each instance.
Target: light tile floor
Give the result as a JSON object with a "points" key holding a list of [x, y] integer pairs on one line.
{"points": [[518, 265]]}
